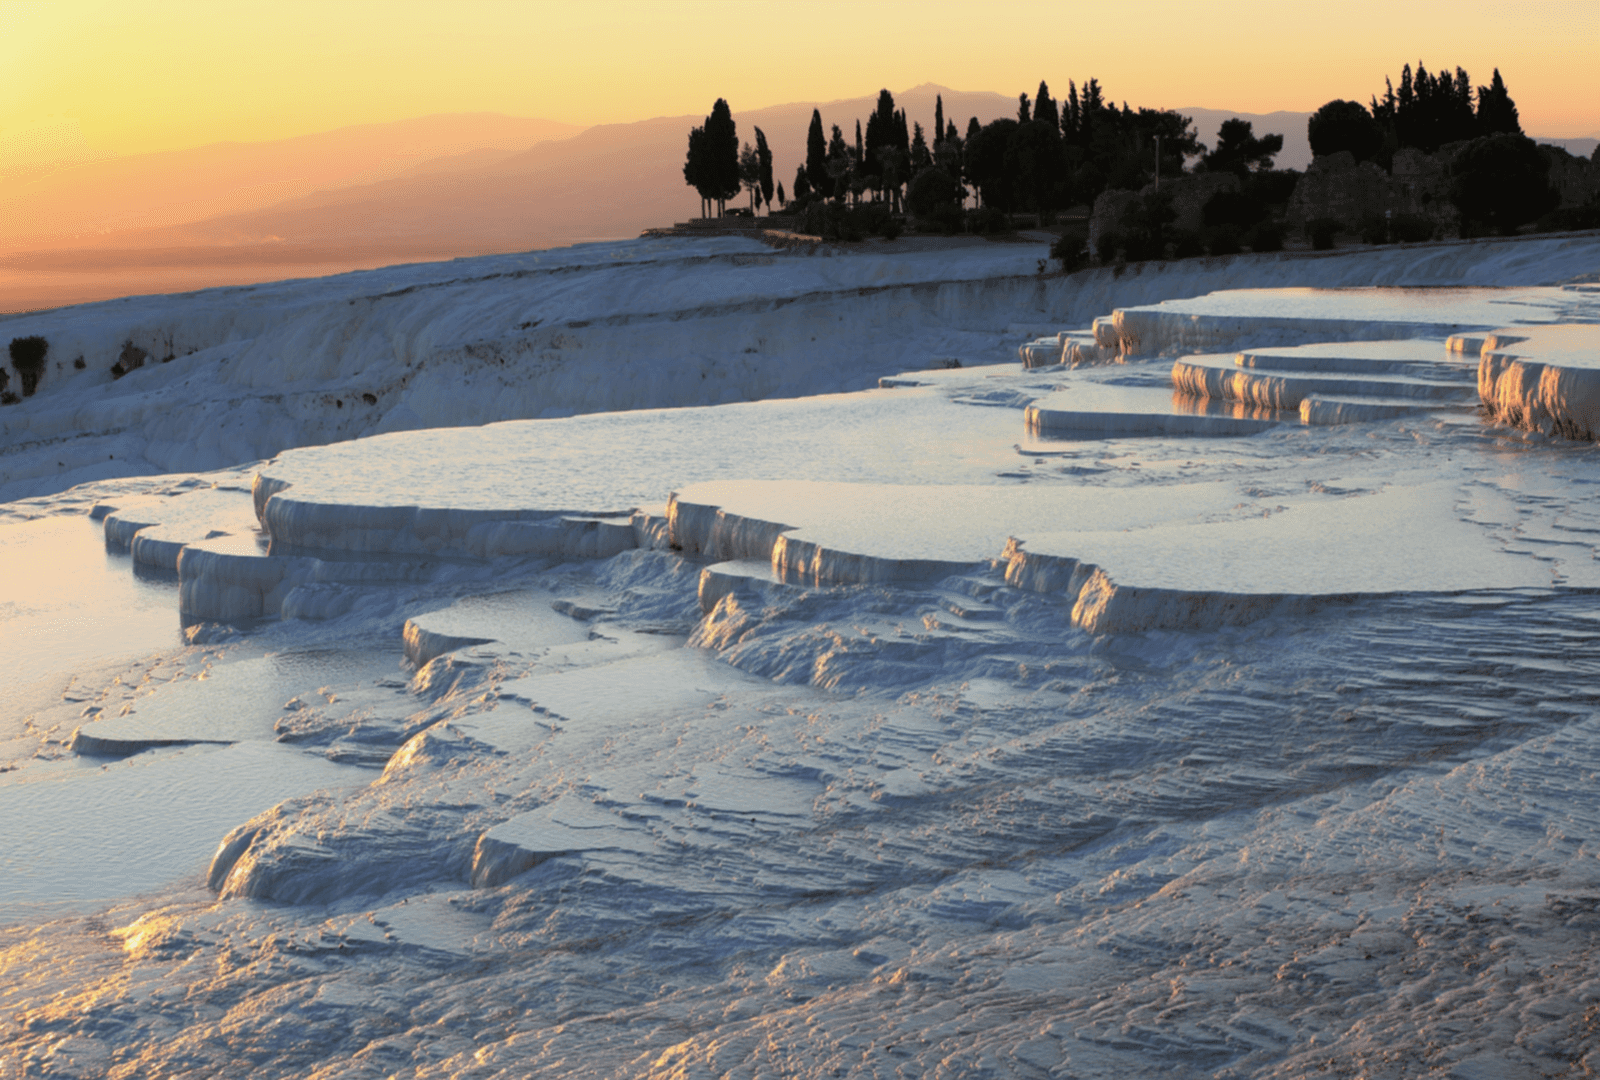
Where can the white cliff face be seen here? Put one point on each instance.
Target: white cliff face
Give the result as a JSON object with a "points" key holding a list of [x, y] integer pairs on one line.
{"points": [[891, 730]]}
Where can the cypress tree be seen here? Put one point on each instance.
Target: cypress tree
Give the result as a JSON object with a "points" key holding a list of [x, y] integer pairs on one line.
{"points": [[1463, 124], [920, 157], [1044, 106], [879, 137], [1094, 102], [764, 155], [1497, 113], [1069, 116], [859, 167], [816, 157], [696, 172], [838, 164], [722, 149], [938, 117], [802, 184], [1022, 108]]}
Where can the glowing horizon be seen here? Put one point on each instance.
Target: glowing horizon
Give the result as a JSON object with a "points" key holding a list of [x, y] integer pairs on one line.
{"points": [[95, 79]]}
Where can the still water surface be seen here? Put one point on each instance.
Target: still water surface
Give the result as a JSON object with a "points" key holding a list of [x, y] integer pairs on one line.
{"points": [[66, 603]]}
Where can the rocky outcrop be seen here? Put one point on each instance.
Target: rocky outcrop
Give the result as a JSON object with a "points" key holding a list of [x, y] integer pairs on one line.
{"points": [[1420, 184], [1334, 186], [1110, 207], [1189, 194], [1576, 179]]}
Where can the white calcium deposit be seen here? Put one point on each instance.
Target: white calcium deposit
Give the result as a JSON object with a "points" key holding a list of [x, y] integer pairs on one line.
{"points": [[750, 691]]}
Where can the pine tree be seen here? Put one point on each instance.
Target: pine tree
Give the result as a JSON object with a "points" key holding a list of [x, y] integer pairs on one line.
{"points": [[938, 119], [1238, 150], [750, 175], [1497, 113], [1044, 106], [816, 157], [764, 154]]}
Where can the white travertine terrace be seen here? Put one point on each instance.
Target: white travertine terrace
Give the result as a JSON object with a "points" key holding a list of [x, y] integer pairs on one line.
{"points": [[1097, 411], [1217, 322], [981, 750], [1545, 378], [332, 511], [1171, 559]]}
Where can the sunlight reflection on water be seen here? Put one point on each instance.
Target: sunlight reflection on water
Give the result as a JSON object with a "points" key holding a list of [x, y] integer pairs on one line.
{"points": [[65, 602]]}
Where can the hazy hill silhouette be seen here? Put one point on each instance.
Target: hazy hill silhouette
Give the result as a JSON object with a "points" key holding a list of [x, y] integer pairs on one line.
{"points": [[434, 187], [85, 202], [608, 182]]}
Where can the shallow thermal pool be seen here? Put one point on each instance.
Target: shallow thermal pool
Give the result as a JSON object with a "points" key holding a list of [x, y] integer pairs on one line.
{"points": [[67, 603]]}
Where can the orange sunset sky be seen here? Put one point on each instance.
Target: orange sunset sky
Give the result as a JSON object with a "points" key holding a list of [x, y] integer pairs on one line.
{"points": [[86, 79]]}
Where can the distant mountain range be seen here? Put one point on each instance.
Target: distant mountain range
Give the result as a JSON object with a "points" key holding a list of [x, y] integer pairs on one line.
{"points": [[432, 187]]}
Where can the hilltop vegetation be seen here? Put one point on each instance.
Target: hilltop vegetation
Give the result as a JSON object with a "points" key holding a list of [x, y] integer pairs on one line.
{"points": [[1433, 158]]}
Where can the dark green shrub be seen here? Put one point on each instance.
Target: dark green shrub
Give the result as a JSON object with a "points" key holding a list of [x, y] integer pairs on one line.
{"points": [[892, 228], [1374, 229], [27, 356], [1188, 245], [79, 363], [989, 221], [1501, 181], [1071, 248], [1586, 216], [815, 219], [932, 190], [1223, 240], [947, 219], [1411, 228], [1106, 246], [1321, 231], [1232, 208], [8, 398], [1141, 245], [1144, 225], [131, 357], [1265, 236], [1271, 188]]}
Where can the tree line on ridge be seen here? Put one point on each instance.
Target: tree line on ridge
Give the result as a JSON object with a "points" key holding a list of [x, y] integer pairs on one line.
{"points": [[1063, 155]]}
